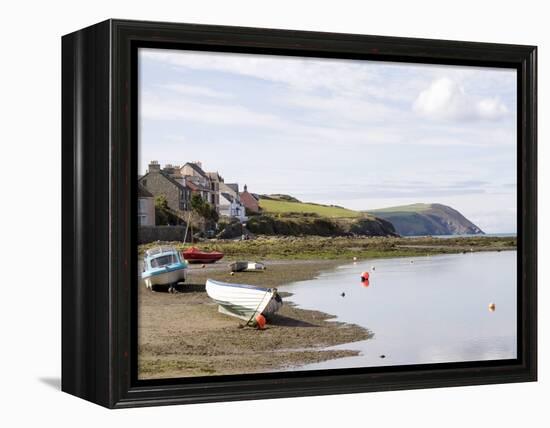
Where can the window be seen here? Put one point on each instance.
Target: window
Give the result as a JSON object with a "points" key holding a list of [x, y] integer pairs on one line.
{"points": [[164, 261]]}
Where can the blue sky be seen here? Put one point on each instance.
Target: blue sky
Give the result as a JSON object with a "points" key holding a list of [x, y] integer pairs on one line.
{"points": [[361, 134]]}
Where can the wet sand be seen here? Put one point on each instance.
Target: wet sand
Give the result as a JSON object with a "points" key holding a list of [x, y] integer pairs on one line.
{"points": [[183, 334]]}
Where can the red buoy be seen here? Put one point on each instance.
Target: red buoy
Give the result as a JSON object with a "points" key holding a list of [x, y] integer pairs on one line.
{"points": [[260, 322], [364, 276]]}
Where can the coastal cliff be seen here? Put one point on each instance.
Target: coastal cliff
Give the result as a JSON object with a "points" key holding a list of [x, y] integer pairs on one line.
{"points": [[427, 219]]}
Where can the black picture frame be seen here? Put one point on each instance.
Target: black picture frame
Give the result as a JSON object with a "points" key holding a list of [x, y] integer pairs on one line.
{"points": [[99, 188]]}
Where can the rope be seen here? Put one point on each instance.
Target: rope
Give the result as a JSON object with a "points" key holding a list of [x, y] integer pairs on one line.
{"points": [[255, 310]]}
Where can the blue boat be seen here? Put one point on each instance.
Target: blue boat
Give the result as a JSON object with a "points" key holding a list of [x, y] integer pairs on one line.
{"points": [[163, 266]]}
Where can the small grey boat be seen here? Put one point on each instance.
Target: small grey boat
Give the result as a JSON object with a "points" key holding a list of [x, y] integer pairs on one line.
{"points": [[246, 267]]}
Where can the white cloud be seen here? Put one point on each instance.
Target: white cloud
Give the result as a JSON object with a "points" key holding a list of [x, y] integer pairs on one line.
{"points": [[155, 107], [445, 99], [196, 91], [491, 108], [300, 73]]}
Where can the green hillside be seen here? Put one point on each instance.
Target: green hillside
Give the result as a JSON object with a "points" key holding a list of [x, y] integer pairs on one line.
{"points": [[413, 208], [281, 204], [427, 219], [284, 215]]}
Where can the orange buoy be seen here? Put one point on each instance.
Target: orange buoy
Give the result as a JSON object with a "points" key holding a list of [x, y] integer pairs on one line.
{"points": [[364, 276], [260, 322]]}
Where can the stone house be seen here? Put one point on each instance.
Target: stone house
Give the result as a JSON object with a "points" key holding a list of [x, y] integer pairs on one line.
{"points": [[178, 195], [215, 181], [249, 201], [192, 172], [204, 192], [146, 207]]}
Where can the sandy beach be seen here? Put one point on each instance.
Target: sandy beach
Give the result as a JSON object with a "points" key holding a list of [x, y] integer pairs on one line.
{"points": [[183, 334]]}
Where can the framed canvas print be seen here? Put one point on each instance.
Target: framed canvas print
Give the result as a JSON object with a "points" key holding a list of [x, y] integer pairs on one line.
{"points": [[253, 213]]}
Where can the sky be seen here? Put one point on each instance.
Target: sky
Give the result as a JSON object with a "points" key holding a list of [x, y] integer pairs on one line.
{"points": [[360, 134]]}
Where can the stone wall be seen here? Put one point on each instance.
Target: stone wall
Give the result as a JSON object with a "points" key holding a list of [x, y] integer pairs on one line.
{"points": [[148, 234]]}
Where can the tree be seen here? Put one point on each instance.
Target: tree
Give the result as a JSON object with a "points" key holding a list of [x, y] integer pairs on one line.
{"points": [[163, 214], [204, 209], [161, 202]]}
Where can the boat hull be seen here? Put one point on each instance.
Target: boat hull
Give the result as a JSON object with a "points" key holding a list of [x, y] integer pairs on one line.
{"points": [[194, 255], [246, 267], [244, 301], [165, 278], [207, 258]]}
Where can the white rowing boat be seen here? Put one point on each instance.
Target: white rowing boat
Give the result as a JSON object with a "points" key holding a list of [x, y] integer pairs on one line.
{"points": [[243, 301]]}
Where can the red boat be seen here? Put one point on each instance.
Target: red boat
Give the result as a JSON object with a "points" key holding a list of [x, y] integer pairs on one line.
{"points": [[194, 255]]}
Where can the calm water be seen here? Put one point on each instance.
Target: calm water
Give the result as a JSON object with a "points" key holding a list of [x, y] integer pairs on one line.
{"points": [[432, 310]]}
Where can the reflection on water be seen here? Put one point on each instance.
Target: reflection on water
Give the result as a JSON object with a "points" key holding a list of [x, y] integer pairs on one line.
{"points": [[421, 310]]}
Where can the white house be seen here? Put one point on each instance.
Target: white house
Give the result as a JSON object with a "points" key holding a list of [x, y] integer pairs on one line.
{"points": [[230, 207], [146, 207], [230, 204]]}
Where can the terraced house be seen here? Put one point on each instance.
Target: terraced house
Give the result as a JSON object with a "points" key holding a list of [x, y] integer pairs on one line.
{"points": [[158, 182], [179, 183], [195, 176]]}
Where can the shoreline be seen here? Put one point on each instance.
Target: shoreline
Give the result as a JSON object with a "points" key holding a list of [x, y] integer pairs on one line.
{"points": [[294, 248], [184, 335]]}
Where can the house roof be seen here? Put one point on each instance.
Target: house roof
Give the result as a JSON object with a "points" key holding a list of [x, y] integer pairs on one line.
{"points": [[192, 185], [143, 192], [170, 179], [234, 186], [195, 187], [214, 176], [249, 201], [197, 169], [228, 197]]}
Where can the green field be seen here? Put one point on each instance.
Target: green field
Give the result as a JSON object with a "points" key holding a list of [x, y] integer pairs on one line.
{"points": [[278, 206]]}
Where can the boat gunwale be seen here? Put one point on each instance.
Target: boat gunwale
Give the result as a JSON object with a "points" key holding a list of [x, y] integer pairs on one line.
{"points": [[164, 269], [247, 286]]}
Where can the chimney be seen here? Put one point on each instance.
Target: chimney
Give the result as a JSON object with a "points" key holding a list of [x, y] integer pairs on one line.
{"points": [[245, 188], [154, 166]]}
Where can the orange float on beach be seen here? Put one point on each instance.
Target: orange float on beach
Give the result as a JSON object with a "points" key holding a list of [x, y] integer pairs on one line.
{"points": [[260, 322]]}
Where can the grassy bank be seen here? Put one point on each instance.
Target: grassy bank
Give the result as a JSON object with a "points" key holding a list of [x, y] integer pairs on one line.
{"points": [[341, 248], [276, 206]]}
